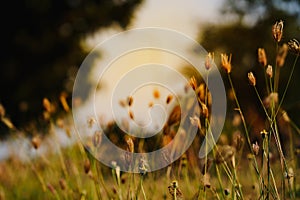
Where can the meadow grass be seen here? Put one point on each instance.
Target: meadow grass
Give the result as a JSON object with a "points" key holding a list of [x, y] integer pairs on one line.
{"points": [[237, 168]]}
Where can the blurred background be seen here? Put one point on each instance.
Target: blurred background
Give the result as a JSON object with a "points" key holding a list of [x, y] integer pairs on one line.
{"points": [[44, 42]]}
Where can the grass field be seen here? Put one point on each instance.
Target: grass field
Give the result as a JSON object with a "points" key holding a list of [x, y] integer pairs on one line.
{"points": [[236, 168]]}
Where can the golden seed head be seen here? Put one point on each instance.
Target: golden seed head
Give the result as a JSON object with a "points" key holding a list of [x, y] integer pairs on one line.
{"points": [[193, 82], [226, 62], [47, 105], [91, 121], [62, 183], [269, 71], [87, 166], [150, 104], [51, 188], [169, 98], [130, 100], [175, 116], [2, 111], [156, 93], [130, 144], [255, 148], [122, 103], [64, 102], [294, 46], [209, 60], [201, 92], [262, 58], [205, 111], [36, 142], [130, 113], [251, 78], [281, 55], [195, 121], [97, 138], [285, 116], [277, 30]]}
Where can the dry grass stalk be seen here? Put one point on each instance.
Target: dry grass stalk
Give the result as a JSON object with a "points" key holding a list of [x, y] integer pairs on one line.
{"points": [[226, 62], [277, 30], [209, 60], [262, 58], [269, 71], [281, 55], [252, 78]]}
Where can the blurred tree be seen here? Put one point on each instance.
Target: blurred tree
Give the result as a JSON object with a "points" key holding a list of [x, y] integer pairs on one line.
{"points": [[247, 26], [41, 48]]}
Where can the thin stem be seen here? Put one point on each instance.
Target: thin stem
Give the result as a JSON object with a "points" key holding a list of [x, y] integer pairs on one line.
{"points": [[287, 85], [244, 124], [261, 102]]}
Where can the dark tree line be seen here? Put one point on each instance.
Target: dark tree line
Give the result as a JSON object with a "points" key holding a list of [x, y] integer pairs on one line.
{"points": [[41, 49]]}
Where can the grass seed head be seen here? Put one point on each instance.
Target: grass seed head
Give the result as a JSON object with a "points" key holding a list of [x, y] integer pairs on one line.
{"points": [[36, 142], [169, 98], [252, 78], [262, 58], [193, 82], [277, 30], [97, 138], [143, 167], [130, 144], [156, 94], [174, 187], [255, 148], [87, 166], [130, 113], [2, 111], [269, 71], [130, 101], [63, 184], [209, 60], [294, 46], [226, 62]]}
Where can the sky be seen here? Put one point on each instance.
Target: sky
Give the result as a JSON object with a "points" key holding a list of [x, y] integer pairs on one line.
{"points": [[185, 17]]}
